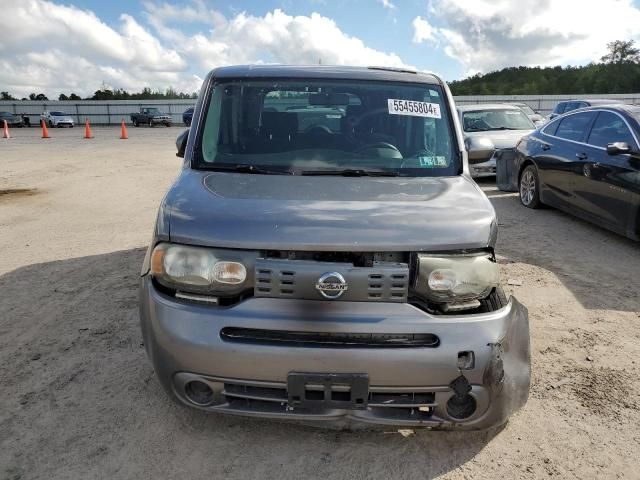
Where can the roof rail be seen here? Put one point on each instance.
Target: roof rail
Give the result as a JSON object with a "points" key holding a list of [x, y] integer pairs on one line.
{"points": [[394, 69]]}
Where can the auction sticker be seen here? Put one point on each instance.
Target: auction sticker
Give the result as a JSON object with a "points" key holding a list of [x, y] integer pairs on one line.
{"points": [[413, 108]]}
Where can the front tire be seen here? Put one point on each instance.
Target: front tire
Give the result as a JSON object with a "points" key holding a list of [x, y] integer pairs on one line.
{"points": [[529, 187]]}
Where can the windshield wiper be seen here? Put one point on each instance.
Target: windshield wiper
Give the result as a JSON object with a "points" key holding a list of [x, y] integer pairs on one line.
{"points": [[503, 128], [249, 169], [352, 172]]}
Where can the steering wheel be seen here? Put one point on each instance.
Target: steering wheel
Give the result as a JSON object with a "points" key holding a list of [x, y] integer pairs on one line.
{"points": [[378, 145], [317, 130]]}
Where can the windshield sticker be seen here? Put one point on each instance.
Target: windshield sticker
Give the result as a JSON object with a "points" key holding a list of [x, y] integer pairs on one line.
{"points": [[432, 162], [413, 108]]}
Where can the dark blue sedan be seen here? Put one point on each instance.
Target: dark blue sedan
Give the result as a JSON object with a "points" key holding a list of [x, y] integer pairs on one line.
{"points": [[587, 163], [187, 116]]}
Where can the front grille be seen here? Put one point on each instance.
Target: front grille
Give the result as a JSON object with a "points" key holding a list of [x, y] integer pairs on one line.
{"points": [[329, 339], [381, 282], [382, 402], [392, 286]]}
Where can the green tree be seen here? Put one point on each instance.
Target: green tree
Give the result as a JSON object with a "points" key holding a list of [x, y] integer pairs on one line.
{"points": [[6, 96], [62, 96], [621, 51]]}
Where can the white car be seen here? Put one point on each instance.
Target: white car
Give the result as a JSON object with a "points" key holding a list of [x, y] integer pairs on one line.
{"points": [[57, 119]]}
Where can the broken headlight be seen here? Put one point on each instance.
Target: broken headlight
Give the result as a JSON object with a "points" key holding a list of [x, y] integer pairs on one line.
{"points": [[456, 278]]}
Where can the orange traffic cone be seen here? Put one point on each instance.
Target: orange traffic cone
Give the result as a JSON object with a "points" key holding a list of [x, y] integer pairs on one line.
{"points": [[87, 129], [123, 131], [45, 131], [5, 133]]}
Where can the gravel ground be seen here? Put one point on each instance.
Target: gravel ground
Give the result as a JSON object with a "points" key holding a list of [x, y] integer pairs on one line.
{"points": [[78, 398]]}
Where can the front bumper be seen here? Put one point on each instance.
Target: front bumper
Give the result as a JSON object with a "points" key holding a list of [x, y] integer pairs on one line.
{"points": [[485, 169], [160, 120], [184, 344], [63, 123]]}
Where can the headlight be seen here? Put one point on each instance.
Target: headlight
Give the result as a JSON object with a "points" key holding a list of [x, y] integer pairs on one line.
{"points": [[202, 270], [454, 278]]}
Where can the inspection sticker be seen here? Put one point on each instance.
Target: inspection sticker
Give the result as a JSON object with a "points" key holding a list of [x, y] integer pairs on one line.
{"points": [[413, 108]]}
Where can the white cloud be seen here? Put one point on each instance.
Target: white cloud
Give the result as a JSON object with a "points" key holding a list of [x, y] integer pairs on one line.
{"points": [[488, 35], [281, 38], [387, 4], [422, 30], [52, 48]]}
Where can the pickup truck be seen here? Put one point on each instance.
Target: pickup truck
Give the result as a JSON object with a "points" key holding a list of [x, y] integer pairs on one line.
{"points": [[150, 116]]}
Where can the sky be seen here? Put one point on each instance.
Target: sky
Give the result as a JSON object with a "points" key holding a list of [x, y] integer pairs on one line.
{"points": [[80, 45]]}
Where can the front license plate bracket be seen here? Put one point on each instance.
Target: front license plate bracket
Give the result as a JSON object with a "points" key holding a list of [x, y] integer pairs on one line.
{"points": [[328, 390]]}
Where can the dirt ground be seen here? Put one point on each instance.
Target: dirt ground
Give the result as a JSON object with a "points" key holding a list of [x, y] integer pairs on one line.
{"points": [[78, 398]]}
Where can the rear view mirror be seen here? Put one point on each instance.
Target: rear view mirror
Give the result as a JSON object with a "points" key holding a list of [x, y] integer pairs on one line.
{"points": [[479, 149], [181, 143]]}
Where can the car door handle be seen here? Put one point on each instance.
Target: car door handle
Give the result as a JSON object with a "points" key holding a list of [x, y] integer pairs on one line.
{"points": [[581, 156]]}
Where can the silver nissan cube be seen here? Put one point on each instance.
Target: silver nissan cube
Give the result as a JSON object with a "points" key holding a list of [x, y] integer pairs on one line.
{"points": [[324, 256]]}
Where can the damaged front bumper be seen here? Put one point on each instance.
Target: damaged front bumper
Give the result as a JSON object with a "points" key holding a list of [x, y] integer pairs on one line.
{"points": [[475, 376]]}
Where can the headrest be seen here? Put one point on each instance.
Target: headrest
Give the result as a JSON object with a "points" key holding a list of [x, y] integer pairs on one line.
{"points": [[279, 124]]}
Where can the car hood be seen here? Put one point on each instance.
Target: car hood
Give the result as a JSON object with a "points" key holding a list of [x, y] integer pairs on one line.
{"points": [[501, 138], [328, 213]]}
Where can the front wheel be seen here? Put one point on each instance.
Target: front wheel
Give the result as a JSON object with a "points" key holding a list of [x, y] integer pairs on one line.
{"points": [[529, 187]]}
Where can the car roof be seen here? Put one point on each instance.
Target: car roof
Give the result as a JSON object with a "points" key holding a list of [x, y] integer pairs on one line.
{"points": [[326, 71], [619, 107], [486, 106], [594, 101]]}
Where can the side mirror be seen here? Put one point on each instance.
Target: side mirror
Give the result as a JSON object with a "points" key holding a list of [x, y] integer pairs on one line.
{"points": [[181, 143], [479, 149], [618, 148]]}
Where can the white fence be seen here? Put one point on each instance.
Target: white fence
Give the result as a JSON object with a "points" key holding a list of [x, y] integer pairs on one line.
{"points": [[98, 112], [111, 112]]}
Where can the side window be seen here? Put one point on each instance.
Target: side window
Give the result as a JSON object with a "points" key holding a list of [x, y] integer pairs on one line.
{"points": [[571, 106], [551, 128], [610, 128], [574, 127], [560, 107]]}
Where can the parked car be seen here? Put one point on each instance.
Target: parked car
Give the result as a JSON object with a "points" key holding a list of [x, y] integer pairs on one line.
{"points": [[187, 115], [534, 116], [340, 274], [150, 116], [11, 119], [500, 124], [57, 119], [587, 163], [569, 105]]}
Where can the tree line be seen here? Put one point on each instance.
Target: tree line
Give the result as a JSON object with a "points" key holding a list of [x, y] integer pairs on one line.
{"points": [[617, 72], [112, 94]]}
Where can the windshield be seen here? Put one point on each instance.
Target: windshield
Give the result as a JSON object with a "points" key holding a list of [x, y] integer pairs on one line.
{"points": [[527, 109], [151, 110], [58, 114], [312, 126], [496, 119]]}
